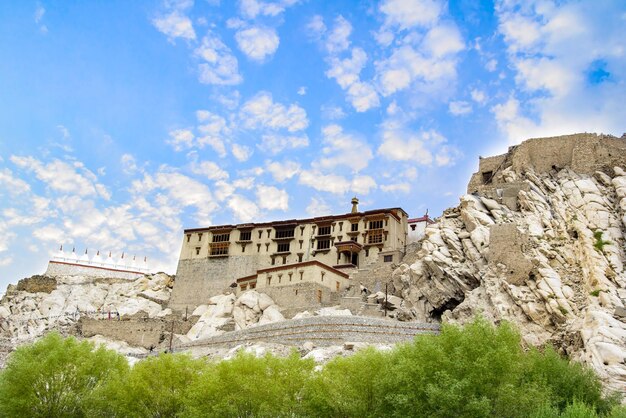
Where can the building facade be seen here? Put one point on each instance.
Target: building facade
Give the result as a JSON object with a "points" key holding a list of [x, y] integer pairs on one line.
{"points": [[213, 258]]}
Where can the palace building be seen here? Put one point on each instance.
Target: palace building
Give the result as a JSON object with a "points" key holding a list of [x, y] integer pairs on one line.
{"points": [[317, 252]]}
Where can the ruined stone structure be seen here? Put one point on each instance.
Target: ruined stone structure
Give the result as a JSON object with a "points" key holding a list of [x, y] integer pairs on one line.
{"points": [[582, 153], [213, 258]]}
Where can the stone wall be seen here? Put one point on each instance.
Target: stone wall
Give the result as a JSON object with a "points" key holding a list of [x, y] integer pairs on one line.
{"points": [[37, 284], [507, 246], [199, 279], [322, 331], [141, 332], [301, 297], [56, 268]]}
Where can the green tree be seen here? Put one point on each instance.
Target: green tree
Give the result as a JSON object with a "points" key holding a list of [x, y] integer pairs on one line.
{"points": [[348, 386], [154, 387], [247, 386], [54, 377]]}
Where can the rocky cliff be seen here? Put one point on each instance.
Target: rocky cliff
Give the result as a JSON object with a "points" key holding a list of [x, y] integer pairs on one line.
{"points": [[551, 260]]}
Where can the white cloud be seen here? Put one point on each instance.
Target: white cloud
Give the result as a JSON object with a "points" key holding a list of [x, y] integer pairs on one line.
{"points": [[316, 27], [409, 13], [175, 25], [63, 177], [491, 65], [362, 184], [425, 148], [396, 187], [274, 143], [39, 13], [243, 209], [213, 131], [302, 91], [271, 198], [12, 184], [460, 108], [564, 90], [331, 183], [241, 152], [181, 139], [443, 40], [50, 233], [363, 96], [478, 96], [343, 149], [332, 112], [220, 66], [261, 111], [282, 171], [258, 43], [338, 38], [210, 170], [347, 71], [129, 164], [318, 207], [253, 8]]}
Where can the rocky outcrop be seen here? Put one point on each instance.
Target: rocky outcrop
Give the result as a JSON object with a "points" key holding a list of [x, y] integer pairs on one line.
{"points": [[553, 265], [37, 284]]}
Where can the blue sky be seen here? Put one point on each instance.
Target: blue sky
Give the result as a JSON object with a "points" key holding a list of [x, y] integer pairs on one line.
{"points": [[121, 123]]}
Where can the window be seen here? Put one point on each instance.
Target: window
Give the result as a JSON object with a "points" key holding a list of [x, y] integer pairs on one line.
{"points": [[340, 226], [487, 176], [323, 244], [200, 236], [323, 273], [269, 280], [244, 287], [260, 233], [267, 247], [273, 261], [283, 247], [413, 227], [319, 296], [252, 285], [296, 292], [258, 248], [219, 248], [376, 224], [284, 233], [221, 237], [299, 258], [324, 230], [388, 258], [188, 237], [337, 286], [354, 227], [280, 278], [197, 250], [284, 260], [375, 238], [290, 274], [301, 273], [245, 236], [301, 244]]}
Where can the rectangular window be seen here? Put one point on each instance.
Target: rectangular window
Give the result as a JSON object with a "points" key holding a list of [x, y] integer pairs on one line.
{"points": [[324, 230], [221, 237], [258, 248], [299, 258], [388, 258], [375, 237], [188, 237], [200, 237], [354, 227], [244, 287], [245, 236], [219, 248], [197, 250], [323, 244], [252, 285], [260, 233], [284, 233], [376, 224], [283, 247]]}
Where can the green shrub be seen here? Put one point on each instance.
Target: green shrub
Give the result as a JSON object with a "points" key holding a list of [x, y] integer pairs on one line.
{"points": [[55, 377]]}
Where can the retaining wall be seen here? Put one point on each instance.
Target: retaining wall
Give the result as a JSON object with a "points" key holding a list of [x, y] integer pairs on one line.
{"points": [[56, 268], [322, 331]]}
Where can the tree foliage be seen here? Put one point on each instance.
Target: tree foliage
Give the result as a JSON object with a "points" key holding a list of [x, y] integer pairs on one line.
{"points": [[478, 370], [54, 377]]}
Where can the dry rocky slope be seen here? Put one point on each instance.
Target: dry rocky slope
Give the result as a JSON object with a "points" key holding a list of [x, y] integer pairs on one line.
{"points": [[538, 241]]}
